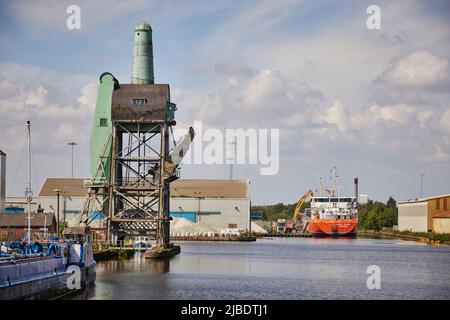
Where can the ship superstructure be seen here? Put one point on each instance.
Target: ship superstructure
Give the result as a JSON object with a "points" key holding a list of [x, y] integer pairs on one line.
{"points": [[333, 215]]}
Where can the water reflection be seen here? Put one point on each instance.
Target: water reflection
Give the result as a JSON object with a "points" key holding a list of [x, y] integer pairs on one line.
{"points": [[279, 269], [159, 265]]}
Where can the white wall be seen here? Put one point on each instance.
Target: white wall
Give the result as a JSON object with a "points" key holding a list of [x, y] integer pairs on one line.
{"points": [[229, 214], [65, 204], [413, 216], [441, 225], [20, 202]]}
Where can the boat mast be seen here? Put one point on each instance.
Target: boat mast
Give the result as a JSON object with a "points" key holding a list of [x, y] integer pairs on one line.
{"points": [[320, 186], [334, 184], [28, 192]]}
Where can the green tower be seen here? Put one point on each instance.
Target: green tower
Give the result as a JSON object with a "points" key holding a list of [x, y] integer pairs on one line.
{"points": [[143, 55], [100, 144]]}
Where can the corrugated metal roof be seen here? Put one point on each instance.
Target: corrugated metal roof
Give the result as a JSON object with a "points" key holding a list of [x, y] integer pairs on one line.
{"points": [[425, 199], [194, 188], [20, 219], [72, 187]]}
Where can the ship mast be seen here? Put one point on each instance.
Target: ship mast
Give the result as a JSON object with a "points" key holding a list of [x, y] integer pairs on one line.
{"points": [[28, 192], [334, 184], [320, 186]]}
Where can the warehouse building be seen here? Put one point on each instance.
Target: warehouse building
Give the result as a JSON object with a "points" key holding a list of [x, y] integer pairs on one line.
{"points": [[220, 203], [14, 225], [430, 214], [72, 195]]}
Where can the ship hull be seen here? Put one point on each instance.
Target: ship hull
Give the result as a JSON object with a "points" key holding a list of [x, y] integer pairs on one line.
{"points": [[333, 227], [46, 287]]}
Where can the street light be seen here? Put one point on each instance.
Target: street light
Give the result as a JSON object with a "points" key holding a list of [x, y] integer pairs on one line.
{"points": [[421, 185], [232, 158], [57, 212], [72, 144]]}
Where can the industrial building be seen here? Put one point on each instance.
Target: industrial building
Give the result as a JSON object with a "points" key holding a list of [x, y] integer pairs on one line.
{"points": [[220, 203], [431, 214], [14, 225], [72, 195]]}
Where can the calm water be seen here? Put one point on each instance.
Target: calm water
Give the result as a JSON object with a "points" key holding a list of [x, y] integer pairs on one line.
{"points": [[280, 269]]}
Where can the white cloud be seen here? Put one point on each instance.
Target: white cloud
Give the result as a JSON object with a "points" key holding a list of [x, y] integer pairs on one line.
{"points": [[438, 155], [424, 117], [257, 99], [418, 69], [7, 88], [397, 114], [59, 113], [336, 115], [265, 86], [89, 95], [445, 122], [295, 120], [46, 15]]}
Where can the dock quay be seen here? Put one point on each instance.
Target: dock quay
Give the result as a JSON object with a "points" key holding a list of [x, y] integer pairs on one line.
{"points": [[104, 250], [214, 238], [287, 235]]}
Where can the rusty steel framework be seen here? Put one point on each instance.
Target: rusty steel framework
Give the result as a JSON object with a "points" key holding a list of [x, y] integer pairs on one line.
{"points": [[138, 188]]}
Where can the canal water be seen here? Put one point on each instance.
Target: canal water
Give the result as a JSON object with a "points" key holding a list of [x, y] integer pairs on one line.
{"points": [[280, 268]]}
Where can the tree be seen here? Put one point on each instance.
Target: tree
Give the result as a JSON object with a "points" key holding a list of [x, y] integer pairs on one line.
{"points": [[375, 215], [391, 203]]}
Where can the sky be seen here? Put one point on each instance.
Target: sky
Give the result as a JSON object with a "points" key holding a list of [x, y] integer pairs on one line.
{"points": [[375, 103]]}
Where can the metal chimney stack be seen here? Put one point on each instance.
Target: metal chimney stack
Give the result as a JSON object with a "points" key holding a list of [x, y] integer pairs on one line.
{"points": [[143, 55], [2, 180], [356, 189]]}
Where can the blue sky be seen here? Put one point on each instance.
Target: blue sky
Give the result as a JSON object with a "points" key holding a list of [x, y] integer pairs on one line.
{"points": [[373, 102]]}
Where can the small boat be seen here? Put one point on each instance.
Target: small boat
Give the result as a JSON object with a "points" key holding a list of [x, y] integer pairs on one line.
{"points": [[142, 243]]}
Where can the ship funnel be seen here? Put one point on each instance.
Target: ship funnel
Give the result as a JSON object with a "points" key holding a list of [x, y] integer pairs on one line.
{"points": [[356, 189], [143, 55]]}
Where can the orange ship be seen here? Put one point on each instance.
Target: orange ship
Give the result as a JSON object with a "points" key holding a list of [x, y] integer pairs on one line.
{"points": [[333, 227], [334, 215]]}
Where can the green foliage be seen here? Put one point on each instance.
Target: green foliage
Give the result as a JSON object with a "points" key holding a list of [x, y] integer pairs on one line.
{"points": [[444, 237], [375, 215], [278, 211], [62, 226]]}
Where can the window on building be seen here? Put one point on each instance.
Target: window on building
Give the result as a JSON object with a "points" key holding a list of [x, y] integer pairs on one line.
{"points": [[139, 101], [103, 122], [232, 225], [438, 204], [445, 203]]}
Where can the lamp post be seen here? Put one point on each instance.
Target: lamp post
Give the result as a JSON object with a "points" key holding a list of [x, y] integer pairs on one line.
{"points": [[72, 144], [57, 212], [28, 191], [421, 184], [232, 158]]}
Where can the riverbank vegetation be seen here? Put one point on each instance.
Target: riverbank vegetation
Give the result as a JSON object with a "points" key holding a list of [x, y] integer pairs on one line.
{"points": [[278, 211], [442, 238], [376, 215]]}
